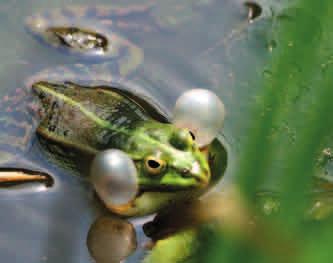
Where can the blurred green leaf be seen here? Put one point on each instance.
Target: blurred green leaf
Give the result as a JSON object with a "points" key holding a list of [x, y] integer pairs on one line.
{"points": [[296, 93]]}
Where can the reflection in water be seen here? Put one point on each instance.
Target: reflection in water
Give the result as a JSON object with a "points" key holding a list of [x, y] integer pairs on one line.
{"points": [[111, 239], [13, 176]]}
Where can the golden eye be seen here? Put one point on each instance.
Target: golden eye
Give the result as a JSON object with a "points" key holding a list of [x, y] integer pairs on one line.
{"points": [[153, 165]]}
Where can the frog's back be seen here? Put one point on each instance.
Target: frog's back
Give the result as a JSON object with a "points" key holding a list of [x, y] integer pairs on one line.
{"points": [[78, 121], [85, 117]]}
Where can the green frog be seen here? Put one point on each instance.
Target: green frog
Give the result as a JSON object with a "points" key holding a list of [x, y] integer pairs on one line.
{"points": [[79, 121]]}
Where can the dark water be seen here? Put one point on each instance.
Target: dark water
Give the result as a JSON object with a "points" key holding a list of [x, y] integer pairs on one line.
{"points": [[204, 43]]}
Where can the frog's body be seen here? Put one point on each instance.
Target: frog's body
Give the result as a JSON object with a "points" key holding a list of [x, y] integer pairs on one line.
{"points": [[75, 122]]}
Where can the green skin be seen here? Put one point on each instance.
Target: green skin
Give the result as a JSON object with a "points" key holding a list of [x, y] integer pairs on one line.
{"points": [[184, 165], [177, 248]]}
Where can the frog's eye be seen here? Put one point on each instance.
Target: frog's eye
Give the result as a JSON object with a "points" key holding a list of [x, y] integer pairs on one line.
{"points": [[114, 176], [182, 139], [153, 165], [200, 111]]}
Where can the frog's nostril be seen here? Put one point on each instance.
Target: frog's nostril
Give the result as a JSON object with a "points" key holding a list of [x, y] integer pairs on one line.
{"points": [[185, 172]]}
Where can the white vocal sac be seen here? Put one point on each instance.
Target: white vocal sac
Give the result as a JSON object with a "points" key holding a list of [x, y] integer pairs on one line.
{"points": [[200, 111], [114, 176]]}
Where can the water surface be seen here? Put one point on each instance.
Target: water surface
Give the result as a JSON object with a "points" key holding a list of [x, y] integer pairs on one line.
{"points": [[200, 45]]}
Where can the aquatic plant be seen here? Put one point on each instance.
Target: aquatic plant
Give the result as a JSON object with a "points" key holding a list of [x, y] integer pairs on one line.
{"points": [[291, 125]]}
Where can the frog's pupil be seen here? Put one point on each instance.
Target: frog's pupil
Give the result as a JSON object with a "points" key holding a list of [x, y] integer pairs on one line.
{"points": [[192, 135], [153, 164]]}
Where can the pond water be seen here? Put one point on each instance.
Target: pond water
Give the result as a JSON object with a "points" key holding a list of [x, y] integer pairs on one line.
{"points": [[198, 44]]}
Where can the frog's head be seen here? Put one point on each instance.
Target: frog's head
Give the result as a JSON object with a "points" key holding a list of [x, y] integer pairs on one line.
{"points": [[167, 158]]}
